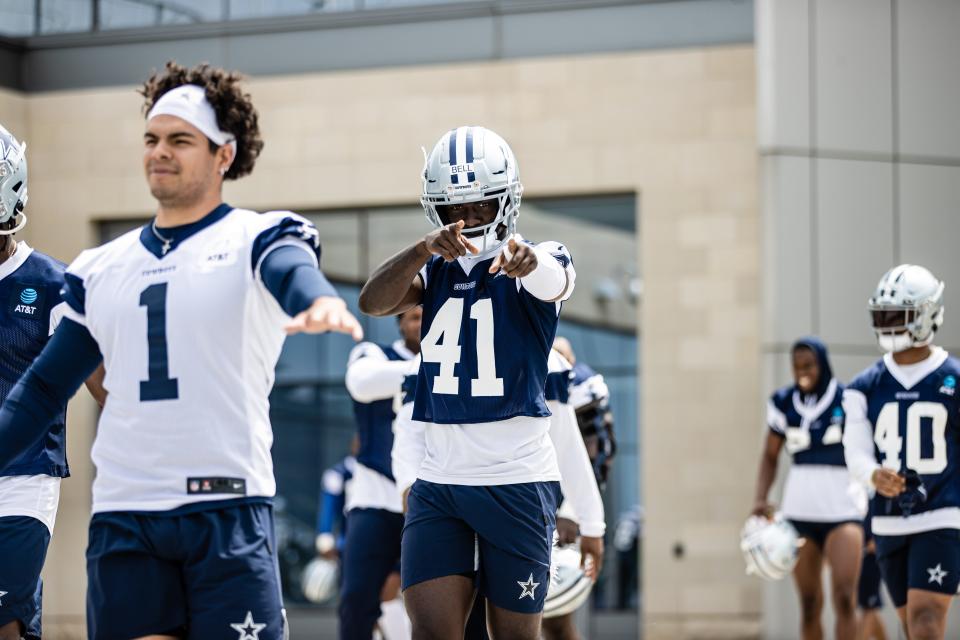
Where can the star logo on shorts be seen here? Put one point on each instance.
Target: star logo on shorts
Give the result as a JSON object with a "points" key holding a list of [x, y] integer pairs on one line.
{"points": [[528, 588], [937, 574], [2, 593], [248, 629]]}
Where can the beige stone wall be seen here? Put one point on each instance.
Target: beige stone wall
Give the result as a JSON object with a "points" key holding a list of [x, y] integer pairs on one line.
{"points": [[676, 127]]}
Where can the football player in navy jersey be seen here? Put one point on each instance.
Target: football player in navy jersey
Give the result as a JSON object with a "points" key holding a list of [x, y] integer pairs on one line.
{"points": [[188, 314], [482, 513], [371, 554], [819, 498], [30, 284], [903, 440]]}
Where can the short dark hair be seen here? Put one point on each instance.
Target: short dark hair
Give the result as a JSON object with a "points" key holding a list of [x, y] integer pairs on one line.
{"points": [[234, 108]]}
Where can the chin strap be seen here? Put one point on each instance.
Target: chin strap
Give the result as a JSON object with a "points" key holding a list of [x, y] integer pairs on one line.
{"points": [[20, 225]]}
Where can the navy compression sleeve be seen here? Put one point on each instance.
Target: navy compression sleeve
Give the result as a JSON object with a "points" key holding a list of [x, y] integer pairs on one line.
{"points": [[63, 365], [291, 276]]}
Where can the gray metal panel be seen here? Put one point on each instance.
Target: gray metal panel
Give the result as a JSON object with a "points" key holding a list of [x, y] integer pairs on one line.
{"points": [[930, 226], [855, 241], [79, 67], [929, 92], [411, 36], [363, 47], [10, 66], [854, 76], [789, 290], [641, 26]]}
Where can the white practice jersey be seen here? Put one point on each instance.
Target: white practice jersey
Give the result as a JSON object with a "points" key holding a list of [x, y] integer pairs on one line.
{"points": [[190, 340]]}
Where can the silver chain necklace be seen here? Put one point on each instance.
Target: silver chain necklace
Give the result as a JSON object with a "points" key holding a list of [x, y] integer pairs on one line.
{"points": [[166, 241]]}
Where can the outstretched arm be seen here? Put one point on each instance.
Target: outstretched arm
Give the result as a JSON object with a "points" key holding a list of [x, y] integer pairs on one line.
{"points": [[394, 287], [65, 363]]}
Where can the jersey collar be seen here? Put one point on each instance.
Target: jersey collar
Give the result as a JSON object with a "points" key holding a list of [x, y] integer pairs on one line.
{"points": [[177, 235], [15, 261], [810, 412], [908, 376]]}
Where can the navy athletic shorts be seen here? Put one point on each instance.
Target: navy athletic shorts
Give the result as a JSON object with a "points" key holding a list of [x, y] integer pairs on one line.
{"points": [[929, 561], [501, 535], [205, 571], [23, 548]]}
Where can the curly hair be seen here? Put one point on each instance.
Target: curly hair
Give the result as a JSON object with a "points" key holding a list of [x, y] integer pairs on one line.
{"points": [[234, 109]]}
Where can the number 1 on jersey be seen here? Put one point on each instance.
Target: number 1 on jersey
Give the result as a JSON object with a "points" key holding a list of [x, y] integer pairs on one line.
{"points": [[440, 345], [159, 385]]}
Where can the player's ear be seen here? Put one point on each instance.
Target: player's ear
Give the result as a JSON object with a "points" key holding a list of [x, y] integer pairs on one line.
{"points": [[225, 155]]}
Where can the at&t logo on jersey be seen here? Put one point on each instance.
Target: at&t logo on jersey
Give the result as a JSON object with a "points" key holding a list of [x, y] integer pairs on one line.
{"points": [[837, 416], [949, 386], [27, 303]]}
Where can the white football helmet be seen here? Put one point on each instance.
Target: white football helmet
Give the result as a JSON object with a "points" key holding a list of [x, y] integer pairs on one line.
{"points": [[769, 547], [319, 580], [569, 585], [13, 181], [907, 308], [469, 164]]}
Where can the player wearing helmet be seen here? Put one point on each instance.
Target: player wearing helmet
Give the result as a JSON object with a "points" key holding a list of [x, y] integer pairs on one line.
{"points": [[489, 478], [30, 285], [819, 499], [903, 441]]}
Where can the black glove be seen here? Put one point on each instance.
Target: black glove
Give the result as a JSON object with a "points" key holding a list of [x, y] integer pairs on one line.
{"points": [[914, 494]]}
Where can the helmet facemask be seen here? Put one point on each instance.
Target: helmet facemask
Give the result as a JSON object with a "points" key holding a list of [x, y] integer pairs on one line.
{"points": [[487, 237], [13, 184]]}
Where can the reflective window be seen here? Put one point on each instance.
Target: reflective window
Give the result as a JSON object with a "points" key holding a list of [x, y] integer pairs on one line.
{"points": [[126, 14], [18, 17], [65, 16]]}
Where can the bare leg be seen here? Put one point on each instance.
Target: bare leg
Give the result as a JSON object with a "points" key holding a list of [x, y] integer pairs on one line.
{"points": [[438, 608], [10, 631], [560, 628], [844, 550], [871, 626], [807, 576], [510, 625], [927, 614]]}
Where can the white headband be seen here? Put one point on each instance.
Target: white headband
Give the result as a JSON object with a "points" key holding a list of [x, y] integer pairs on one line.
{"points": [[189, 103]]}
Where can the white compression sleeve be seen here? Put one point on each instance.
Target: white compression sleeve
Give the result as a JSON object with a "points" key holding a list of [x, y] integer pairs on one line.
{"points": [[551, 280], [577, 480], [858, 448], [370, 378], [409, 448]]}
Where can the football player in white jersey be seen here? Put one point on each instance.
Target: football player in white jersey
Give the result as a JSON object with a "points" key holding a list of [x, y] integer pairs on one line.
{"points": [[482, 513], [30, 284], [189, 313]]}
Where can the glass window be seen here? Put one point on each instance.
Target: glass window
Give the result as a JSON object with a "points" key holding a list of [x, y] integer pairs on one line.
{"points": [[65, 16], [18, 17], [246, 9], [125, 14]]}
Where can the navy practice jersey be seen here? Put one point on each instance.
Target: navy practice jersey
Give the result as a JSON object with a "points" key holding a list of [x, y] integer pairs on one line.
{"points": [[30, 284], [408, 390], [559, 379], [484, 346], [916, 426], [375, 419], [813, 430]]}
